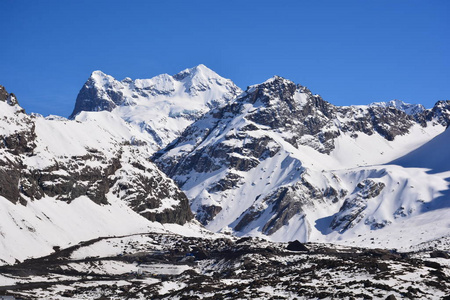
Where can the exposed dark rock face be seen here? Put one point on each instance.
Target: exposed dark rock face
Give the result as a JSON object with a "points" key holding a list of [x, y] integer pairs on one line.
{"points": [[440, 111], [283, 205], [14, 143], [352, 211], [439, 253], [9, 180], [3, 93], [64, 180], [230, 181], [207, 212], [91, 99], [68, 181], [21, 141], [148, 191]]}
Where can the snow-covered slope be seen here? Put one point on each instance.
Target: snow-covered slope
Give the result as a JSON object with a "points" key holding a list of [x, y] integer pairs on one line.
{"points": [[281, 162], [63, 181], [434, 155], [162, 106]]}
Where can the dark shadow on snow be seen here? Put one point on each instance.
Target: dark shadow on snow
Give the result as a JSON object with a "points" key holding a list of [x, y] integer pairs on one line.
{"points": [[323, 224], [442, 201]]}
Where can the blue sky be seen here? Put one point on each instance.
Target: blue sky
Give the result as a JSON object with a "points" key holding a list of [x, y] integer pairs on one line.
{"points": [[350, 52]]}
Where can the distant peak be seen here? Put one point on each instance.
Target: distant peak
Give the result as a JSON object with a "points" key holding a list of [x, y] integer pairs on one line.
{"points": [[201, 67], [274, 80], [127, 80], [392, 103], [99, 78], [98, 73], [408, 108], [396, 101], [197, 71]]}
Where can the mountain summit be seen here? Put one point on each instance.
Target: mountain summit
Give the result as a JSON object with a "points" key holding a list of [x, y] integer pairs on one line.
{"points": [[163, 105], [7, 97]]}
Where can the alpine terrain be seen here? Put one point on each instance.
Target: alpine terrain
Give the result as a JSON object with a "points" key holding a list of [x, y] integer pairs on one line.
{"points": [[187, 187]]}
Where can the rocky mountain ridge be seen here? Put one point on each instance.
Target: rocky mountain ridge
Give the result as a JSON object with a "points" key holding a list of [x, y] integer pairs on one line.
{"points": [[278, 153], [410, 109]]}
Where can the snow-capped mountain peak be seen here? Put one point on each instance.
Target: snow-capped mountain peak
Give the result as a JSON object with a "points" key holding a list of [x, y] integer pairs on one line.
{"points": [[163, 105], [200, 71], [99, 80], [408, 108], [272, 81]]}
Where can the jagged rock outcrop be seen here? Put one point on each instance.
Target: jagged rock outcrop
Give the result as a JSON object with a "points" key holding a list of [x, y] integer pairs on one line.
{"points": [[7, 97], [352, 211], [440, 112]]}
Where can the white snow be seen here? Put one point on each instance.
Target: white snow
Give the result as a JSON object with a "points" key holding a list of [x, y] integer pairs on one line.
{"points": [[33, 230], [434, 155]]}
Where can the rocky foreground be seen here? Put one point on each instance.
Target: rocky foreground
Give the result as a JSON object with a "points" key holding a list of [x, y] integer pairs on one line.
{"points": [[166, 266]]}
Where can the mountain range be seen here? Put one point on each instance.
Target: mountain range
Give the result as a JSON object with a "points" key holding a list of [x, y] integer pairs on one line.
{"points": [[193, 154], [275, 160]]}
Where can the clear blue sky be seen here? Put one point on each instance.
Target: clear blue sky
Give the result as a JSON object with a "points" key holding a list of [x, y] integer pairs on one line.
{"points": [[350, 52]]}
